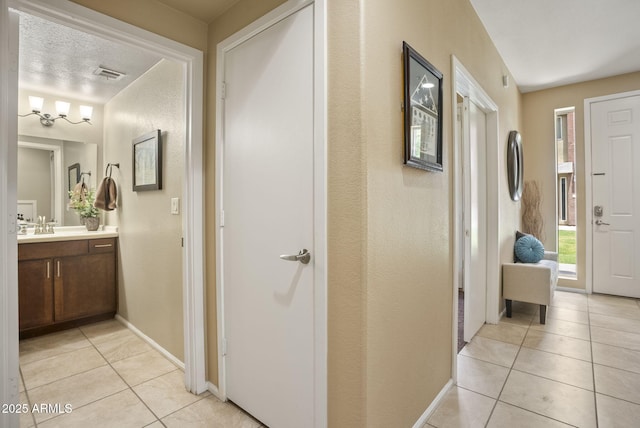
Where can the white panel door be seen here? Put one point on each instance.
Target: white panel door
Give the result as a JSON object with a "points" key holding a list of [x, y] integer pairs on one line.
{"points": [[268, 199], [475, 212], [615, 152]]}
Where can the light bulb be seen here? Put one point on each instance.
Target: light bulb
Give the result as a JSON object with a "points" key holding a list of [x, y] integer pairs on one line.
{"points": [[86, 112], [36, 103], [62, 108]]}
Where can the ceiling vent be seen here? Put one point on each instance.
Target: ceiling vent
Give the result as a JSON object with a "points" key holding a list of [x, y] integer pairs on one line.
{"points": [[109, 74]]}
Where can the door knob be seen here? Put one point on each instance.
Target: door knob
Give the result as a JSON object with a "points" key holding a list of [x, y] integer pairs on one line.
{"points": [[601, 223], [303, 257]]}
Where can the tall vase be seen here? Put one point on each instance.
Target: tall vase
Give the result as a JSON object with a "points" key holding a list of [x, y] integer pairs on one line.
{"points": [[92, 223]]}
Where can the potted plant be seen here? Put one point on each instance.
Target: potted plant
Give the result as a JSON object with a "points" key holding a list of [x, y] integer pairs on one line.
{"points": [[82, 201]]}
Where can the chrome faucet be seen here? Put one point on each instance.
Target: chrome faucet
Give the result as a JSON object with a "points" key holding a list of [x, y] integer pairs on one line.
{"points": [[42, 226]]}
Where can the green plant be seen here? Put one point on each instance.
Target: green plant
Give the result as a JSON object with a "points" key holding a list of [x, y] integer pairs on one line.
{"points": [[82, 201]]}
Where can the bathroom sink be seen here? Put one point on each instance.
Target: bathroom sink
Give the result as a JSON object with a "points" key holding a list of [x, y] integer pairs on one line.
{"points": [[69, 233]]}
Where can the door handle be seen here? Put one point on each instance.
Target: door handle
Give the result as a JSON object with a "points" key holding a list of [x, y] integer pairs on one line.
{"points": [[303, 257], [601, 223]]}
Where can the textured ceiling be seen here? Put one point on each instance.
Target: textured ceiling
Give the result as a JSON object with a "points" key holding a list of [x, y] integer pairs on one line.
{"points": [[60, 60], [204, 10], [547, 43]]}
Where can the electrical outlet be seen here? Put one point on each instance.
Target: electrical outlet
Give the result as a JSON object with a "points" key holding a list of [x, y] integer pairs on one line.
{"points": [[175, 206]]}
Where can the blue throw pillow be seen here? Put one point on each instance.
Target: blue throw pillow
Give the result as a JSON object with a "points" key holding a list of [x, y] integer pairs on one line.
{"points": [[529, 249]]}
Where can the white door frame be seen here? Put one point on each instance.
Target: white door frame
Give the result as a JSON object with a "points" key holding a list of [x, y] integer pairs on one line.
{"points": [[587, 180], [465, 85], [75, 16], [320, 178], [8, 240]]}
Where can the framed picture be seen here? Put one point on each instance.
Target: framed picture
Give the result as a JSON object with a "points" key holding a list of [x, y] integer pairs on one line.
{"points": [[422, 112], [73, 172], [147, 162]]}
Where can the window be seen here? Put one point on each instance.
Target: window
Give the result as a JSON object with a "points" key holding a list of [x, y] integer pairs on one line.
{"points": [[567, 215], [559, 126], [563, 199]]}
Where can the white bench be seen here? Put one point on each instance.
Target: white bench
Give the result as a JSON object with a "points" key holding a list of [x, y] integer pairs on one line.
{"points": [[531, 283]]}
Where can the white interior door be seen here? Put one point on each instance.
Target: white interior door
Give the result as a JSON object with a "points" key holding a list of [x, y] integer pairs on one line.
{"points": [[268, 206], [615, 154], [475, 214]]}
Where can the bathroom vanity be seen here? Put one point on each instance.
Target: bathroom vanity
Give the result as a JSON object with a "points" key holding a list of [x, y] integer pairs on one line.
{"points": [[66, 279]]}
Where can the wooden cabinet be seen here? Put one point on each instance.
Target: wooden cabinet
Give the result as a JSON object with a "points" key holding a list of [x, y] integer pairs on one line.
{"points": [[35, 293], [65, 284]]}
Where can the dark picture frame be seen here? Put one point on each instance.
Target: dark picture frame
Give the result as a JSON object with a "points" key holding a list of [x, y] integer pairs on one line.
{"points": [[422, 112], [73, 174], [147, 162]]}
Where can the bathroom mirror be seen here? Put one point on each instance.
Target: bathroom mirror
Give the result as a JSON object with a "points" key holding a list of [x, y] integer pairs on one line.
{"points": [[43, 176]]}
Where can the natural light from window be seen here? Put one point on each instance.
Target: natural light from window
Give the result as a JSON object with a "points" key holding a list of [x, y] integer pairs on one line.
{"points": [[565, 142]]}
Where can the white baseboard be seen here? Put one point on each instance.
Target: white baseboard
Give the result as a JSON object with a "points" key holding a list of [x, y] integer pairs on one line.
{"points": [[151, 342], [214, 390], [572, 290], [422, 421]]}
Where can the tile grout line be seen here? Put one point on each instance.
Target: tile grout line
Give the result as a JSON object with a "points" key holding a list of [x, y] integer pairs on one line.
{"points": [[497, 400], [56, 355], [107, 364], [512, 369], [26, 393], [130, 387], [63, 378], [592, 362], [123, 380], [495, 404], [593, 367]]}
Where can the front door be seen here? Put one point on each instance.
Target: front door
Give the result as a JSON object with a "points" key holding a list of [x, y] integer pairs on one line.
{"points": [[615, 180], [268, 219]]}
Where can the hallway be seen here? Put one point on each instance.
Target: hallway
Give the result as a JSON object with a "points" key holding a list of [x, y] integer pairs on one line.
{"points": [[521, 373]]}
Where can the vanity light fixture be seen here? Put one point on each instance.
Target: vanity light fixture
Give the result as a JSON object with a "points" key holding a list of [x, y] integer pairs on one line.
{"points": [[62, 111]]}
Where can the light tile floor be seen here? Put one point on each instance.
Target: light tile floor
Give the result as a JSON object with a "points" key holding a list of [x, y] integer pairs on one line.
{"points": [[112, 378], [581, 369]]}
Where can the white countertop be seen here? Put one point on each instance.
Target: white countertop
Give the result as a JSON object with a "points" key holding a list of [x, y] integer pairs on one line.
{"points": [[69, 233]]}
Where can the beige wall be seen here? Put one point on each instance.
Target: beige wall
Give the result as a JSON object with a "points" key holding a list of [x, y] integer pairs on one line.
{"points": [[539, 147], [155, 17], [347, 220], [150, 252], [408, 212]]}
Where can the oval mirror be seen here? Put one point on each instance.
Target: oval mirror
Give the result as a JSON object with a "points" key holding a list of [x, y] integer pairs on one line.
{"points": [[515, 166]]}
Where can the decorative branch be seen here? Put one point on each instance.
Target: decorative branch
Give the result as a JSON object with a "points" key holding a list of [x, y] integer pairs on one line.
{"points": [[532, 221]]}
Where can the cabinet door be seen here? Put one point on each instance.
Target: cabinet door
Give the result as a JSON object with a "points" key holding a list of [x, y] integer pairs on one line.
{"points": [[35, 293], [84, 286]]}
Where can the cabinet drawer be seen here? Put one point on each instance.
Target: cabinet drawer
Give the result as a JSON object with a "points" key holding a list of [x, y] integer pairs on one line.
{"points": [[106, 245], [46, 250]]}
